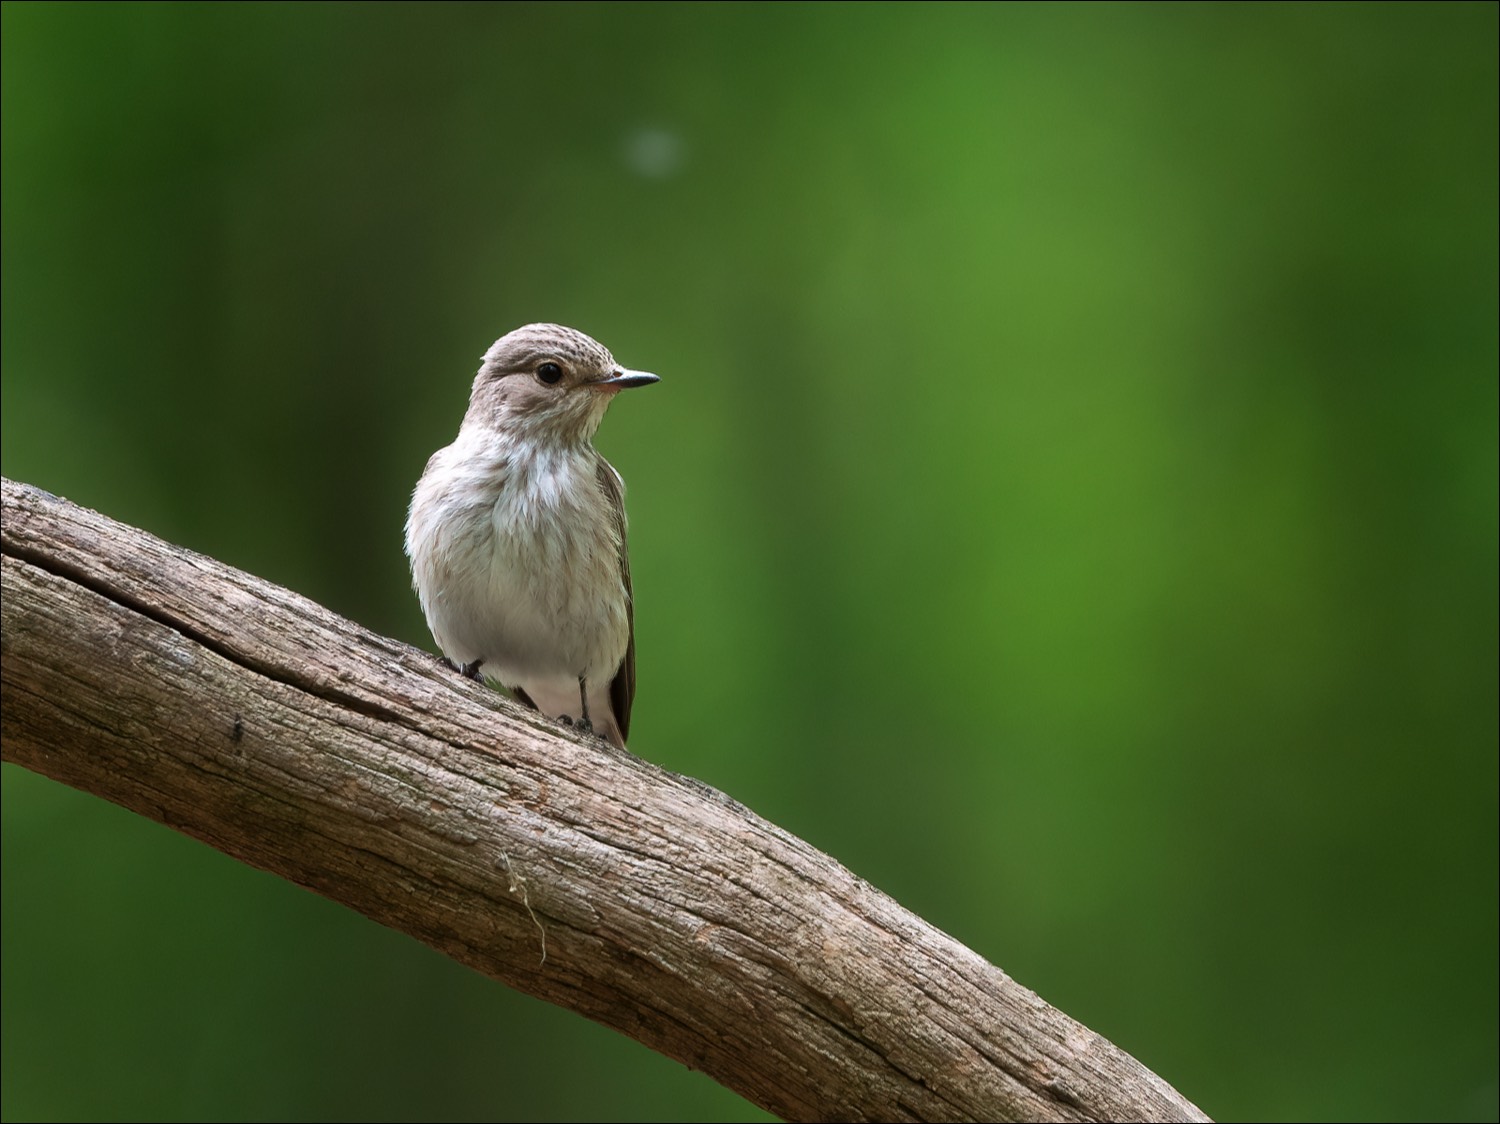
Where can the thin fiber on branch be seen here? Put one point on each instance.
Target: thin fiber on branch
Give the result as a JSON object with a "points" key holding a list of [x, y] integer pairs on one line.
{"points": [[248, 717]]}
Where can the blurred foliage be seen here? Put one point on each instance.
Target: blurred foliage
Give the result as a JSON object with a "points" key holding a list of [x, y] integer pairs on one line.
{"points": [[1070, 501]]}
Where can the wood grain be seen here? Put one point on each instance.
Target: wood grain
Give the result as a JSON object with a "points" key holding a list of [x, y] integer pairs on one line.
{"points": [[248, 717]]}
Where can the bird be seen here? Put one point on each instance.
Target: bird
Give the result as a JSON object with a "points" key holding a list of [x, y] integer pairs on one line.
{"points": [[516, 533]]}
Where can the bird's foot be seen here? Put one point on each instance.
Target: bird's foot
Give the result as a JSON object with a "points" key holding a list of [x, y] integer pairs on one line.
{"points": [[468, 670]]}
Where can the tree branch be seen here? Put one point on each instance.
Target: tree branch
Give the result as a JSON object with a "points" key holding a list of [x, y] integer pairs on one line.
{"points": [[248, 717]]}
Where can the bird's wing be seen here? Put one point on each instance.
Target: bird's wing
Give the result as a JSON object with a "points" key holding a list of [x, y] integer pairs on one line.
{"points": [[622, 687]]}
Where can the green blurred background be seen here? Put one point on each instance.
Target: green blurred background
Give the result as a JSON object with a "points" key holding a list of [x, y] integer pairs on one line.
{"points": [[1070, 500]]}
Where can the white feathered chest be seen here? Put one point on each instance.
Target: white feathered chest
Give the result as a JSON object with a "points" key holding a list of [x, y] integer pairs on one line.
{"points": [[518, 559]]}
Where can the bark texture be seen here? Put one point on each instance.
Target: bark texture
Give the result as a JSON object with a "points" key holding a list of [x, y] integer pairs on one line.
{"points": [[248, 717]]}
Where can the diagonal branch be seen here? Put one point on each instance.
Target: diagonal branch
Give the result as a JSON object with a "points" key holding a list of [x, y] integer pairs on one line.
{"points": [[248, 717]]}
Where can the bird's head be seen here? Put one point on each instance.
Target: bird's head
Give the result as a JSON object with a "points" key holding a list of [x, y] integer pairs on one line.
{"points": [[549, 382]]}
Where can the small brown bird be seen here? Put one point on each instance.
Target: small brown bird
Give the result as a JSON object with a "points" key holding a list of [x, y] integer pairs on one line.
{"points": [[516, 533]]}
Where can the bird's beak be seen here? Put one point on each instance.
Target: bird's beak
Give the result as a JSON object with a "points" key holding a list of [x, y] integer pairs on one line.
{"points": [[624, 379]]}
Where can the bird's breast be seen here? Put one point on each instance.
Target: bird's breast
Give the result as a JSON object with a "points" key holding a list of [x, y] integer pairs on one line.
{"points": [[544, 589]]}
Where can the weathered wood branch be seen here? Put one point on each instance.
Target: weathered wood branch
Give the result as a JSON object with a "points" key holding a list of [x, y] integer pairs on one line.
{"points": [[248, 717]]}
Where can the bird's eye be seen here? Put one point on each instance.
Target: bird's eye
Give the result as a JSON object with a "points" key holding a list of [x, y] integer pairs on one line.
{"points": [[549, 373]]}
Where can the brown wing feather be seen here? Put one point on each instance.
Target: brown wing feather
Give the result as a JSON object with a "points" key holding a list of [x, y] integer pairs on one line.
{"points": [[622, 687]]}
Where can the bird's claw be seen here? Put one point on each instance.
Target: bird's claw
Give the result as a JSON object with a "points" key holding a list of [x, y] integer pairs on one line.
{"points": [[468, 670]]}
